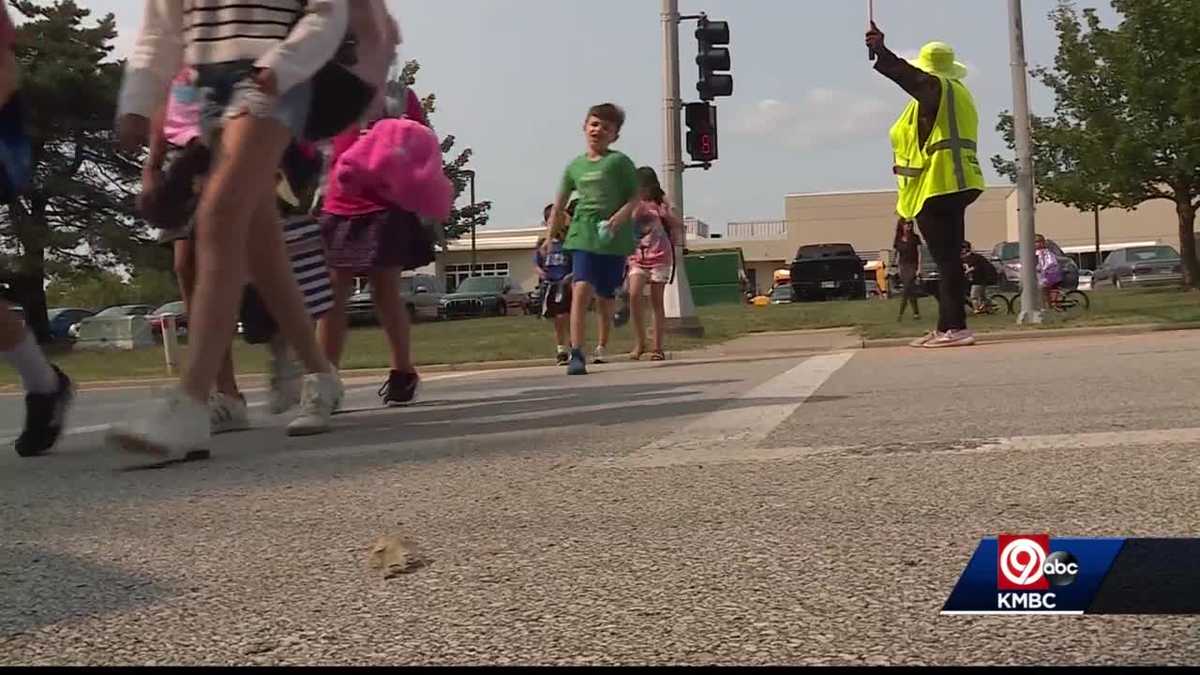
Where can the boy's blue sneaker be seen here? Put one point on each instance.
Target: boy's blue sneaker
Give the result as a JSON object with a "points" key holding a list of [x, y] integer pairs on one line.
{"points": [[577, 365]]}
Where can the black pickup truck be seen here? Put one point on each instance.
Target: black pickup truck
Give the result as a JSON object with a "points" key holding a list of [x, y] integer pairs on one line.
{"points": [[822, 271]]}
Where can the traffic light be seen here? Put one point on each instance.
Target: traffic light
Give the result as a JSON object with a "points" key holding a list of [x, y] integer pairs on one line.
{"points": [[702, 131], [713, 58]]}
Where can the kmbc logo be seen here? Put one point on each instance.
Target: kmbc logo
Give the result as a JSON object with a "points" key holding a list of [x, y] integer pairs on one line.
{"points": [[1026, 564]]}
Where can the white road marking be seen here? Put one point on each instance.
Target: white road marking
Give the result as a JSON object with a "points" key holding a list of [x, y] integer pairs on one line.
{"points": [[723, 453], [738, 427], [10, 435]]}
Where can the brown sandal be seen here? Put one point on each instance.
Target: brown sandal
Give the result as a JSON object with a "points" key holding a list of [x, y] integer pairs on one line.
{"points": [[658, 355], [636, 355]]}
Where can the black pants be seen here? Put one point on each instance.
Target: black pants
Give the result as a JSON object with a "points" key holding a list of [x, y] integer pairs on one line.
{"points": [[943, 224], [909, 290]]}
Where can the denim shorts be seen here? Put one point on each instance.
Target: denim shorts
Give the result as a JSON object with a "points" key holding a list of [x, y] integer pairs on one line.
{"points": [[605, 273], [227, 92]]}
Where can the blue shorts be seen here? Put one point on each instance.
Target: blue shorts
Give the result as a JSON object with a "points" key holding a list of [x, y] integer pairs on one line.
{"points": [[227, 92], [605, 273]]}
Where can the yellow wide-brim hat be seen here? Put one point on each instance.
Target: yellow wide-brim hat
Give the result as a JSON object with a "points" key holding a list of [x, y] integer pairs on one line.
{"points": [[937, 58]]}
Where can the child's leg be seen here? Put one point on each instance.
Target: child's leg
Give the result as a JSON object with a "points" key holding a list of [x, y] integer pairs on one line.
{"points": [[332, 326], [637, 309], [185, 274], [234, 197], [562, 331], [581, 297], [604, 309], [274, 281], [393, 316], [657, 293], [20, 348]]}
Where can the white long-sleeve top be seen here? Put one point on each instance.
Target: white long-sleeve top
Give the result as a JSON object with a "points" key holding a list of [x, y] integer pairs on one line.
{"points": [[294, 38]]}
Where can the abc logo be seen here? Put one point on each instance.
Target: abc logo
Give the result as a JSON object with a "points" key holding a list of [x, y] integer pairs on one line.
{"points": [[1061, 568], [1026, 564]]}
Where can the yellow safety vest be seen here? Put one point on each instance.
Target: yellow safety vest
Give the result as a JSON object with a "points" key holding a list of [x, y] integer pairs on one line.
{"points": [[948, 162]]}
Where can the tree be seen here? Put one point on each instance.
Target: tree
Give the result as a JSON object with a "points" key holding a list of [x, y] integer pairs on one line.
{"points": [[78, 214], [1126, 122], [461, 219], [96, 290]]}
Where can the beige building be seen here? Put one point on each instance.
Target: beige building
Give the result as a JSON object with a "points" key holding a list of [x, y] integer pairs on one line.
{"points": [[866, 220], [498, 253]]}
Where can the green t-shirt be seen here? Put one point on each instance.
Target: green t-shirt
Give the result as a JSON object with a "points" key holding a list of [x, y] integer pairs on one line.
{"points": [[604, 186]]}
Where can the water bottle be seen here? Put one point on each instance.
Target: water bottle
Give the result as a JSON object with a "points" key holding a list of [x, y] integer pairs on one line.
{"points": [[604, 232]]}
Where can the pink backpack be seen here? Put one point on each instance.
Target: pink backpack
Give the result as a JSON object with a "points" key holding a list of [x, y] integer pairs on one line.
{"points": [[398, 164]]}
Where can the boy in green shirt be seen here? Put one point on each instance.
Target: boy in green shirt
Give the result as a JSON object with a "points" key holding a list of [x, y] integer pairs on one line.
{"points": [[600, 238]]}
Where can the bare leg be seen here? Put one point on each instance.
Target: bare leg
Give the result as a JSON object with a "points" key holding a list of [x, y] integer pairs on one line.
{"points": [[581, 295], [243, 176], [331, 328], [393, 315], [274, 281], [605, 307], [185, 273], [562, 330], [657, 292], [637, 311]]}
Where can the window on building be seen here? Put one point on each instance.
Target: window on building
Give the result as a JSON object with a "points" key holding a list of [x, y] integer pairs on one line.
{"points": [[455, 274]]}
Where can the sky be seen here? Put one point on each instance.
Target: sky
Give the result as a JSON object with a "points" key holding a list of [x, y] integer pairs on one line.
{"points": [[514, 79]]}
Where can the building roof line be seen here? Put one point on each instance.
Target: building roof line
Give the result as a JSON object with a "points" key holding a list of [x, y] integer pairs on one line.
{"points": [[842, 193]]}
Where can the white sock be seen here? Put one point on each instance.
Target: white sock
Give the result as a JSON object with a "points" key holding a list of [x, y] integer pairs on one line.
{"points": [[35, 371]]}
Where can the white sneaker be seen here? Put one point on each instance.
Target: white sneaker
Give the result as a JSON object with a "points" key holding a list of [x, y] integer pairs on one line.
{"points": [[924, 339], [600, 355], [952, 338], [227, 413], [322, 395], [174, 426], [287, 382]]}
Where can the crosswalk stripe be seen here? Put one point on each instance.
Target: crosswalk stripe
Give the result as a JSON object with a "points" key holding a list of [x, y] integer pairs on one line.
{"points": [[744, 421]]}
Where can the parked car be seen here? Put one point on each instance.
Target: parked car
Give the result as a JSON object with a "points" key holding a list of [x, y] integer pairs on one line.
{"points": [[111, 313], [175, 309], [483, 296], [421, 294], [62, 318], [1006, 256], [821, 271], [783, 295], [1141, 266], [1085, 280]]}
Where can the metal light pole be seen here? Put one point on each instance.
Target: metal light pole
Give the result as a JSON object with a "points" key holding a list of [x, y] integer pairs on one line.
{"points": [[1031, 298], [680, 309], [470, 173]]}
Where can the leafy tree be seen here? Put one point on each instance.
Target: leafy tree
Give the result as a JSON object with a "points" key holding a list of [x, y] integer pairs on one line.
{"points": [[95, 290], [78, 214], [1126, 123], [461, 218]]}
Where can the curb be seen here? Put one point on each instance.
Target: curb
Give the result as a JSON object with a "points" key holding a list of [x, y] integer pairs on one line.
{"points": [[1049, 333], [690, 357]]}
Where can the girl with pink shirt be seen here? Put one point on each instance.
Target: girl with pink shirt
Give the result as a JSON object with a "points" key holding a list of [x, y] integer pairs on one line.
{"points": [[652, 261], [371, 227]]}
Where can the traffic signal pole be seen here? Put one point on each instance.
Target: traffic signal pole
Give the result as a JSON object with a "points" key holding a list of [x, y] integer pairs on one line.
{"points": [[680, 308], [1031, 297]]}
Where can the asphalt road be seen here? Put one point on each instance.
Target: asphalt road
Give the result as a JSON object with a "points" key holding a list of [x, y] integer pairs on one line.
{"points": [[800, 510]]}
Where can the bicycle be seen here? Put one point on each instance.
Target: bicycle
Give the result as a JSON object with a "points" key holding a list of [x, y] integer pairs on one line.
{"points": [[995, 303], [1069, 303]]}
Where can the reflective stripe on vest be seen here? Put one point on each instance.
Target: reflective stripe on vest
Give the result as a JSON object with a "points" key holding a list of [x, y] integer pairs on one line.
{"points": [[956, 141]]}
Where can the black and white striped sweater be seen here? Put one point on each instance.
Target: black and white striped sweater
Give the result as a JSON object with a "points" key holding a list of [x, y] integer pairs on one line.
{"points": [[294, 38]]}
